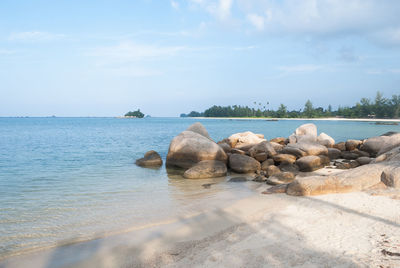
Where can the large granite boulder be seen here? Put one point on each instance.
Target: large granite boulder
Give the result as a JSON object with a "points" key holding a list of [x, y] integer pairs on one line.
{"points": [[353, 180], [382, 144], [325, 140], [262, 147], [304, 149], [150, 159], [206, 169], [304, 133], [312, 162], [189, 148], [243, 163], [245, 139], [200, 129]]}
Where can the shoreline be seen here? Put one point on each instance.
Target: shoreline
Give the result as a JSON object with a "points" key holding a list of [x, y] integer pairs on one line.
{"points": [[278, 230], [302, 119]]}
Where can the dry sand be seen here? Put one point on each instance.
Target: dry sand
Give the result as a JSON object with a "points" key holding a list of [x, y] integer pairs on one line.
{"points": [[339, 230]]}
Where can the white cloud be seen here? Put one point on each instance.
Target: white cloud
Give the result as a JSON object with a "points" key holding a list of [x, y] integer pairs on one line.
{"points": [[373, 19], [256, 20], [174, 4], [34, 36], [220, 9]]}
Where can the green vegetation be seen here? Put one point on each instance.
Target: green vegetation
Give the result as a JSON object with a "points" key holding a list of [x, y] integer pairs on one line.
{"points": [[137, 114], [379, 108]]}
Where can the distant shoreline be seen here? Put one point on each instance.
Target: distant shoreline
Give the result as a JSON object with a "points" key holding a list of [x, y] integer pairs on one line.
{"points": [[303, 119]]}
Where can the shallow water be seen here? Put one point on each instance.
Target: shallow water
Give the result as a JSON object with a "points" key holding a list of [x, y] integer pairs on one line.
{"points": [[67, 178]]}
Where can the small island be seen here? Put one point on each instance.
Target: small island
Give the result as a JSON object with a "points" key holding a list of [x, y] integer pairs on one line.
{"points": [[134, 114]]}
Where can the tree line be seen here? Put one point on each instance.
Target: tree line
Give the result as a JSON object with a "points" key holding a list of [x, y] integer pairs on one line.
{"points": [[380, 107]]}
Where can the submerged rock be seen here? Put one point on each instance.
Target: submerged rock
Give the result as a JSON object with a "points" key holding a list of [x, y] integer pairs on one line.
{"points": [[150, 159], [206, 169]]}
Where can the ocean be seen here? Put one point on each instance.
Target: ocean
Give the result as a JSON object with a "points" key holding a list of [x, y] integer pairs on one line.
{"points": [[69, 179]]}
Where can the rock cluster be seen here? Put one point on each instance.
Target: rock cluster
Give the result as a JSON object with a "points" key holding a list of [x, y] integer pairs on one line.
{"points": [[279, 161]]}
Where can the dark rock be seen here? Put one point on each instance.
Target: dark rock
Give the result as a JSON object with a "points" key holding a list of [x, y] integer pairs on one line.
{"points": [[363, 160], [334, 153], [150, 159], [349, 155], [243, 163]]}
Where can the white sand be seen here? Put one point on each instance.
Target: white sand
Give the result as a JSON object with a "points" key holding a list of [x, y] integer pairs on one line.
{"points": [[341, 230]]}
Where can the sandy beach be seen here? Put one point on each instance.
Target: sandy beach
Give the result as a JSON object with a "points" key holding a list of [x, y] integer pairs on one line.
{"points": [[337, 230]]}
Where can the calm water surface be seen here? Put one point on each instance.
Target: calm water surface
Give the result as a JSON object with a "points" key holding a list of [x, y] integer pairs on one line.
{"points": [[69, 178]]}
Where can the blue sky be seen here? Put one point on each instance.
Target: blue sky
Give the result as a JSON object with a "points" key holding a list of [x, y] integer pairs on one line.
{"points": [[104, 58]]}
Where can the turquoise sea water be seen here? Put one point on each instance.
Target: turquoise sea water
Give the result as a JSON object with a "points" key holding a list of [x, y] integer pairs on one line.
{"points": [[63, 179]]}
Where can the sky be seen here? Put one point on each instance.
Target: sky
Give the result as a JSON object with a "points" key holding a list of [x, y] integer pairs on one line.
{"points": [[166, 57]]}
